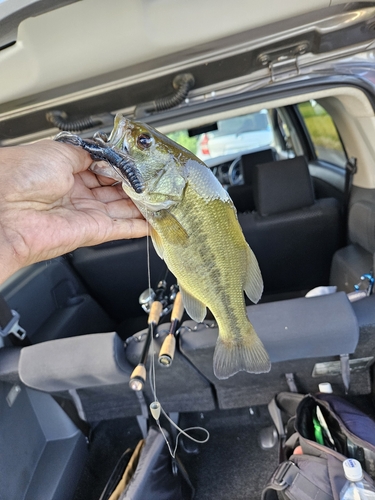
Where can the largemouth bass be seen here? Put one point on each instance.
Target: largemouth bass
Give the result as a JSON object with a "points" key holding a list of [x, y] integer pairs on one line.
{"points": [[194, 228]]}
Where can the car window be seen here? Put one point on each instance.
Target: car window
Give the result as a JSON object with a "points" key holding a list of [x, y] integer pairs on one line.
{"points": [[182, 137], [240, 134], [287, 142], [241, 124], [323, 133]]}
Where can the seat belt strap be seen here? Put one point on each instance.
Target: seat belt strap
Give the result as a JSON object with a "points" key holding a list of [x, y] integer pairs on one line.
{"points": [[350, 171], [9, 325]]}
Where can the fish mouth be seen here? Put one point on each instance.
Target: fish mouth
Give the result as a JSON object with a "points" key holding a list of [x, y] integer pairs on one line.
{"points": [[115, 151], [121, 131], [119, 142]]}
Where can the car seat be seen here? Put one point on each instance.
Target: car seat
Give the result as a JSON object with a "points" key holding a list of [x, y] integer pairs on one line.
{"points": [[356, 259], [242, 194], [299, 334], [292, 235]]}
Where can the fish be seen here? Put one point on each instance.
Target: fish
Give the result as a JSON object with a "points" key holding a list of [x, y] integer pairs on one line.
{"points": [[194, 228]]}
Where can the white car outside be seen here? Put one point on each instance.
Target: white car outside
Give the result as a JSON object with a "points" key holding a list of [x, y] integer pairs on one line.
{"points": [[236, 135]]}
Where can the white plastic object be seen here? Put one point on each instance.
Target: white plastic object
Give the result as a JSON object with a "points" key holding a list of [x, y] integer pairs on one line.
{"points": [[321, 290], [155, 409], [355, 488], [325, 387], [352, 470]]}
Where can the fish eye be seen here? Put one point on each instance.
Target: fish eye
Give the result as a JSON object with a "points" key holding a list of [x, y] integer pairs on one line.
{"points": [[144, 141]]}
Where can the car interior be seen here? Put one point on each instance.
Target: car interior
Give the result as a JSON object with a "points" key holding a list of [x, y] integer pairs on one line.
{"points": [[306, 205]]}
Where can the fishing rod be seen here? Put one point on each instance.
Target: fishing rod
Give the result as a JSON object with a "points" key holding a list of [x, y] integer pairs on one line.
{"points": [[138, 377], [168, 347]]}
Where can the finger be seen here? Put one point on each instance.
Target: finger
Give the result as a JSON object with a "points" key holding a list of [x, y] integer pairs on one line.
{"points": [[106, 194], [78, 159], [92, 181], [129, 228], [89, 179], [120, 229], [55, 153], [123, 209], [108, 181], [118, 208]]}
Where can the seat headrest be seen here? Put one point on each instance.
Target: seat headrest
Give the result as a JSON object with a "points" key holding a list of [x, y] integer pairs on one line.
{"points": [[281, 186], [362, 225], [249, 161]]}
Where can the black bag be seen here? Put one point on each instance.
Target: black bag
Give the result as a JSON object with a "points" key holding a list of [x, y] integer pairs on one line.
{"points": [[329, 430], [149, 472]]}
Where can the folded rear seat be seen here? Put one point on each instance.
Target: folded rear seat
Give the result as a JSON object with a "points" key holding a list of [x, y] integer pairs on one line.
{"points": [[297, 334], [94, 370], [354, 260]]}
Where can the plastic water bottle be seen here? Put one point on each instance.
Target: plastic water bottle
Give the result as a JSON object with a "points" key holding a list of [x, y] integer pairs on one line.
{"points": [[356, 487]]}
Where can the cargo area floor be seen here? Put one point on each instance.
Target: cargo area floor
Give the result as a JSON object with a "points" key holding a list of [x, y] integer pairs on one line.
{"points": [[230, 465]]}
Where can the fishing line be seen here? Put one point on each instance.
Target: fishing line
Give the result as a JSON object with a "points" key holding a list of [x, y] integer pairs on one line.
{"points": [[148, 254], [155, 406]]}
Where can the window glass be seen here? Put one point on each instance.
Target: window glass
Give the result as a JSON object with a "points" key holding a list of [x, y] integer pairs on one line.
{"points": [[323, 133], [240, 134], [182, 137], [287, 142]]}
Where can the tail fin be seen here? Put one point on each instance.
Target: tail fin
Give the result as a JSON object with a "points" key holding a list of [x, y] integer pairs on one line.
{"points": [[246, 353]]}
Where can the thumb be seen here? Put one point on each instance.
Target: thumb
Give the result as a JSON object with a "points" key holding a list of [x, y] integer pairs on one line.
{"points": [[76, 157]]}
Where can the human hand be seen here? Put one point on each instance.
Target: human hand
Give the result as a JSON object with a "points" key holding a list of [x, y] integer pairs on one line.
{"points": [[50, 204]]}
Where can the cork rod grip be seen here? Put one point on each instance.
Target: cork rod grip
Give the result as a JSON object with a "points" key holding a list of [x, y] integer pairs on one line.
{"points": [[167, 350], [178, 308], [139, 372], [155, 312]]}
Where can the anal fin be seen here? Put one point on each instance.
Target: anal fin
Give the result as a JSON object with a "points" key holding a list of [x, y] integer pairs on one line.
{"points": [[194, 307], [253, 286]]}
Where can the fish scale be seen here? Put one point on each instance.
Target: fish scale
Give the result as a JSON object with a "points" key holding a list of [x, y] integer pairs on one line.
{"points": [[217, 250]]}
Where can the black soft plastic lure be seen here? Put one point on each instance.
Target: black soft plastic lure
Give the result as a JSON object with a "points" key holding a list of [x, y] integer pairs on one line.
{"points": [[99, 151]]}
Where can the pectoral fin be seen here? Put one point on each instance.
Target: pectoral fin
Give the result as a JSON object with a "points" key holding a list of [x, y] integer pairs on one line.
{"points": [[171, 229], [194, 307], [254, 283], [157, 242]]}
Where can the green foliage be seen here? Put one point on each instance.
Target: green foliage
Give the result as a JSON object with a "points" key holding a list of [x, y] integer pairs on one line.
{"points": [[182, 138], [320, 125]]}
